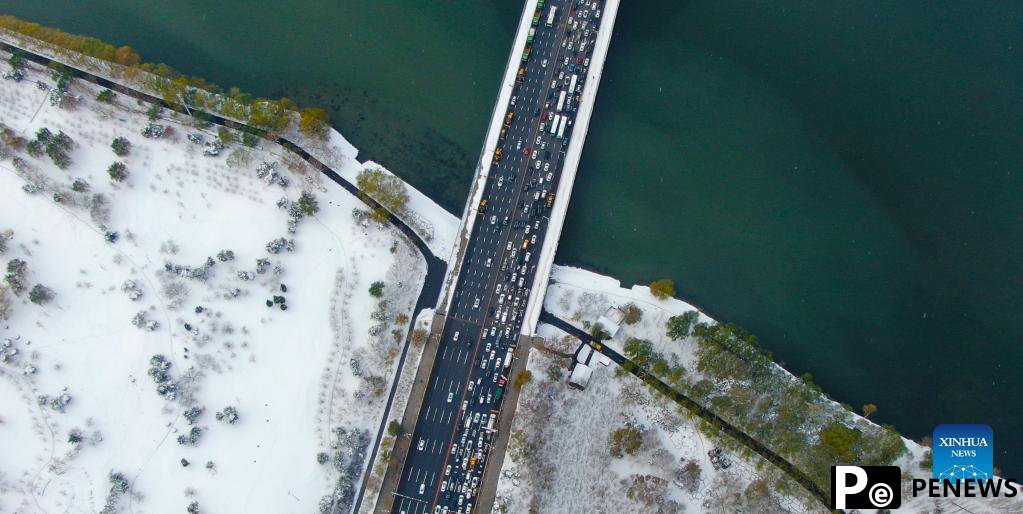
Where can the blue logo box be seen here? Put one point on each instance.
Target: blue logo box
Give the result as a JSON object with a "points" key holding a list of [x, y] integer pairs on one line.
{"points": [[963, 451]]}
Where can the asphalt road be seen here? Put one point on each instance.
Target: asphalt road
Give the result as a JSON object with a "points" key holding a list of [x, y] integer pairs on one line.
{"points": [[451, 442]]}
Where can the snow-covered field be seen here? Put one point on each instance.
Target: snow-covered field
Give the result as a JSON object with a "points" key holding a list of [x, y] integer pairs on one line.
{"points": [[559, 458], [79, 393]]}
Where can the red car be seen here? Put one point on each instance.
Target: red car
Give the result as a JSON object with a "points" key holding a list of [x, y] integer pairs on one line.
{"points": [[527, 150], [501, 381]]}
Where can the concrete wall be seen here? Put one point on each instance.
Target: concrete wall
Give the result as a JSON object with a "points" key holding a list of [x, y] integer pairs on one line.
{"points": [[575, 149]]}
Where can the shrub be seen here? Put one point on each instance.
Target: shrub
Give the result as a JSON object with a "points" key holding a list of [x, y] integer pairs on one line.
{"points": [[663, 289], [106, 96], [679, 327], [307, 204], [627, 440], [313, 122], [117, 171], [121, 146], [40, 294], [632, 314], [376, 289]]}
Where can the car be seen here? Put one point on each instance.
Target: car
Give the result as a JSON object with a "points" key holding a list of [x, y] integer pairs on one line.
{"points": [[543, 64], [422, 488], [461, 497], [451, 396], [489, 262], [547, 166], [444, 484], [455, 337], [502, 381], [550, 175], [476, 304], [532, 241], [422, 444], [470, 386], [521, 280], [527, 229], [447, 471], [535, 153], [465, 404], [493, 220], [586, 62], [509, 247], [537, 164], [500, 181], [518, 145]]}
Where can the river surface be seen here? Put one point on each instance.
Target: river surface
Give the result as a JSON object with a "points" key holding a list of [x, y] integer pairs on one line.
{"points": [[844, 179]]}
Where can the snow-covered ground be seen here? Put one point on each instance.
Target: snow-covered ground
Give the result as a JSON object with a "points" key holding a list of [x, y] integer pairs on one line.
{"points": [[559, 458], [293, 376]]}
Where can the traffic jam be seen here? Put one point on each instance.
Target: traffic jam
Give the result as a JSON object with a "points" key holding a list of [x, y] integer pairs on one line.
{"points": [[514, 213]]}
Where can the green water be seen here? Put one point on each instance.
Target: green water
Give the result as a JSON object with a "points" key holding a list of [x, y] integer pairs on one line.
{"points": [[842, 178]]}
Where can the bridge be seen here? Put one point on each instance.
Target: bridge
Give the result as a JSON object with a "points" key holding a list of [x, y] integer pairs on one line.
{"points": [[500, 267]]}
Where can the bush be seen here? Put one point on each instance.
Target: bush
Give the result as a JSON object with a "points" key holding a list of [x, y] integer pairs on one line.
{"points": [[663, 289], [385, 188], [121, 146], [226, 136], [40, 294], [117, 171], [249, 140], [394, 428], [376, 289], [524, 377], [106, 96], [679, 327], [307, 204], [154, 112], [632, 314], [627, 440], [313, 122]]}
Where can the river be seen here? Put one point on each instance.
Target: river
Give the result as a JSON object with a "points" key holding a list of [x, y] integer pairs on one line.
{"points": [[843, 179]]}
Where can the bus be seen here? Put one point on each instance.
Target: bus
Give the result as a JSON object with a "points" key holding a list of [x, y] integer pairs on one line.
{"points": [[561, 101], [571, 86], [561, 129], [550, 17], [554, 124], [536, 18], [532, 34], [539, 3]]}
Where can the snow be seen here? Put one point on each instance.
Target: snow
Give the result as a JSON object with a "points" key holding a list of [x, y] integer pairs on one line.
{"points": [[288, 373], [582, 297], [568, 466]]}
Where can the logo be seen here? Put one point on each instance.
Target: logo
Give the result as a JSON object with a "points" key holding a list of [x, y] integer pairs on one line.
{"points": [[963, 452], [866, 487]]}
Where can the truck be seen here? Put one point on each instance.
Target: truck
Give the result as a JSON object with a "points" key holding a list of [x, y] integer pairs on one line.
{"points": [[508, 119], [525, 53], [490, 424], [554, 124], [507, 360], [497, 155], [551, 16], [532, 34], [536, 18], [571, 86], [561, 101], [561, 128]]}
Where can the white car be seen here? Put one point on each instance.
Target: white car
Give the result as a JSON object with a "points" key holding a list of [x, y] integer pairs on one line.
{"points": [[543, 64], [476, 304], [422, 444], [518, 145], [422, 488], [550, 175], [447, 471], [537, 165], [547, 167], [508, 248], [451, 396], [444, 484], [493, 220], [455, 337]]}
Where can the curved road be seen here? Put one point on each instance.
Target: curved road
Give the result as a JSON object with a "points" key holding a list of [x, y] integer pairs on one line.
{"points": [[435, 267]]}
